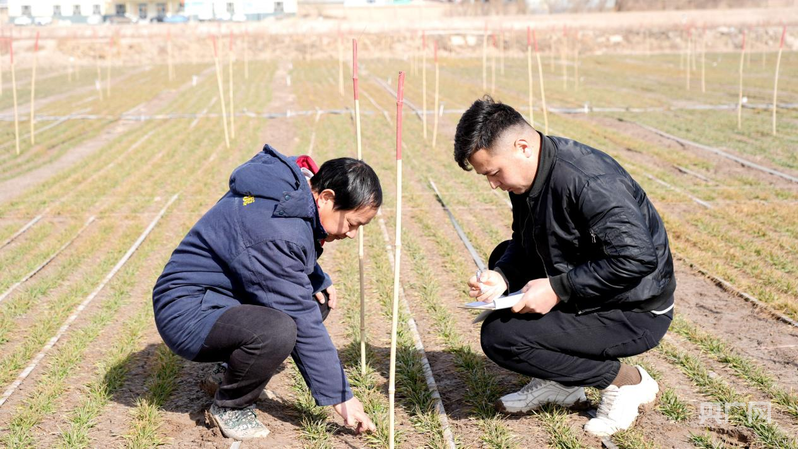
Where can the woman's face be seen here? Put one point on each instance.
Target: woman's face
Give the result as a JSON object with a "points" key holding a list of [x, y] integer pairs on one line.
{"points": [[340, 223]]}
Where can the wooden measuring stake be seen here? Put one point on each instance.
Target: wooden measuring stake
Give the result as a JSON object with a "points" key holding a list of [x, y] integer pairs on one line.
{"points": [[542, 90], [33, 91], [437, 97], [340, 66], [360, 237], [98, 83], [501, 52], [108, 67], [397, 260], [563, 53], [230, 56], [776, 78], [246, 53], [424, 82], [576, 61], [2, 43], [221, 90], [740, 96], [687, 71], [485, 59], [493, 66], [529, 73], [703, 59], [169, 54], [14, 89]]}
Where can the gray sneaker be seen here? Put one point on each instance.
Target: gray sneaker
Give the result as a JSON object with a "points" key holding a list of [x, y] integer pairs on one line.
{"points": [[238, 424], [211, 384]]}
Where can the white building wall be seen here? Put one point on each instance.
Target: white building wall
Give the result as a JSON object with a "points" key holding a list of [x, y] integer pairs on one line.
{"points": [[45, 8]]}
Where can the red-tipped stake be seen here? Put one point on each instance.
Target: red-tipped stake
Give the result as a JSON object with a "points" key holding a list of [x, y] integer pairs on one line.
{"points": [[221, 90], [703, 58], [542, 90], [740, 97], [14, 89], [436, 112], [397, 259], [360, 237], [424, 82], [563, 53], [776, 79], [687, 72], [2, 42], [529, 73], [230, 57], [33, 91]]}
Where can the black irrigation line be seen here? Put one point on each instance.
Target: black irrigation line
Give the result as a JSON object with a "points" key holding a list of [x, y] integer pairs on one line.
{"points": [[477, 260], [717, 151]]}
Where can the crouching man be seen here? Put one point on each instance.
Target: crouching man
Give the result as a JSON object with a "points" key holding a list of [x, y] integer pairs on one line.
{"points": [[591, 255]]}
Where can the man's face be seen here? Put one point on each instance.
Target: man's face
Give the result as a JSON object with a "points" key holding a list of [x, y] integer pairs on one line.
{"points": [[510, 166]]}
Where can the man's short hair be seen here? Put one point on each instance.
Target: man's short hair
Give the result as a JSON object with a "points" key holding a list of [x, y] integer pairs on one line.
{"points": [[480, 126]]}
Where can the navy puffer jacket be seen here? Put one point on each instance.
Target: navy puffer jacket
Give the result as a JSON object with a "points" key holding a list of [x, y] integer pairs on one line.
{"points": [[257, 245]]}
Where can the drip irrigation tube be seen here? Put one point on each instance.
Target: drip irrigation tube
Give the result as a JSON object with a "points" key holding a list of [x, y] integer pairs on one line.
{"points": [[49, 345], [477, 260]]}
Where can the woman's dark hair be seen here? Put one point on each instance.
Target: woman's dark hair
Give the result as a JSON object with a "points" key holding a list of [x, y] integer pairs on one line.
{"points": [[355, 184], [480, 126]]}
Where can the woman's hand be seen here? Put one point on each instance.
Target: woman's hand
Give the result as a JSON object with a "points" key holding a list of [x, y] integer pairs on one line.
{"points": [[354, 416], [490, 286], [331, 293], [538, 297]]}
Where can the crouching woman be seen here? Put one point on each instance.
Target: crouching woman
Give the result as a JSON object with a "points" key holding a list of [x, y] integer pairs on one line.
{"points": [[242, 286]]}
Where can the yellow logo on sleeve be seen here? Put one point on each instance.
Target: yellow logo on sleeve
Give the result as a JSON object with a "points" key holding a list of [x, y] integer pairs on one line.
{"points": [[249, 200]]}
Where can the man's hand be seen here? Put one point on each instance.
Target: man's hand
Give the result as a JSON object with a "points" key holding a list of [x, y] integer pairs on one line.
{"points": [[354, 416], [490, 287], [538, 297], [333, 296]]}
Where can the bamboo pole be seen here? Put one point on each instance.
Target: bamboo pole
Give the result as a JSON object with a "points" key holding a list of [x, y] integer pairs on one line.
{"points": [[542, 90], [437, 97], [501, 52], [221, 90], [340, 66], [703, 59], [485, 59], [98, 83], [246, 53], [33, 91], [493, 67], [2, 42], [360, 237], [687, 71], [776, 78], [397, 260], [108, 67], [424, 82], [169, 54], [529, 73], [576, 62], [740, 97], [230, 56], [14, 89], [563, 52]]}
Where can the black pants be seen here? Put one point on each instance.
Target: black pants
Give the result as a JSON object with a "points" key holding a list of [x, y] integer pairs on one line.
{"points": [[574, 350], [254, 341]]}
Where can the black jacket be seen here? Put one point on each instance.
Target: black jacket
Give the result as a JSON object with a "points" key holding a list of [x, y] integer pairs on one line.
{"points": [[590, 228]]}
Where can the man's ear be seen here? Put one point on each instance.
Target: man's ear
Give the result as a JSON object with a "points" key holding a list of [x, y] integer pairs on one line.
{"points": [[523, 146]]}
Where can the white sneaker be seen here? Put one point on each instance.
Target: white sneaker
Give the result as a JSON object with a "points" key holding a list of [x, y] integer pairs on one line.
{"points": [[537, 393], [619, 406]]}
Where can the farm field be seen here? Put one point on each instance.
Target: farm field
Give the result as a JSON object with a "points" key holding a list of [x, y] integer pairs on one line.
{"points": [[90, 213]]}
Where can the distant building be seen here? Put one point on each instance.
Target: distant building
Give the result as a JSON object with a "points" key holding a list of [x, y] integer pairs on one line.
{"points": [[73, 10], [238, 9]]}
